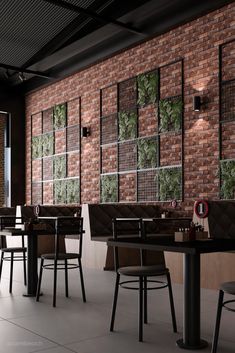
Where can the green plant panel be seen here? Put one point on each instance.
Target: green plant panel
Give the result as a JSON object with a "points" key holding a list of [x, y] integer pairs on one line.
{"points": [[60, 116], [73, 191], [109, 188], [60, 192], [59, 167], [147, 153], [127, 125], [227, 175], [170, 112], [48, 144], [147, 88], [170, 184], [36, 147]]}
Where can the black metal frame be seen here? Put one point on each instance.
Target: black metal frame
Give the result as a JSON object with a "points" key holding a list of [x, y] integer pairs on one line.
{"points": [[157, 135], [65, 153], [221, 304], [55, 265], [143, 280], [221, 121], [12, 250]]}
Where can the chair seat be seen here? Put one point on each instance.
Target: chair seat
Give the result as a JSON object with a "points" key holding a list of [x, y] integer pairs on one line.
{"points": [[156, 270], [61, 256], [16, 249], [228, 287]]}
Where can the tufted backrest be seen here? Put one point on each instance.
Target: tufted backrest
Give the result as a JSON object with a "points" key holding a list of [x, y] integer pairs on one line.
{"points": [[100, 216], [221, 219], [53, 211]]}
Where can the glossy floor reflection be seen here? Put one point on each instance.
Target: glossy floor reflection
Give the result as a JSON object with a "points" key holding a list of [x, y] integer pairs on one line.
{"points": [[27, 326]]}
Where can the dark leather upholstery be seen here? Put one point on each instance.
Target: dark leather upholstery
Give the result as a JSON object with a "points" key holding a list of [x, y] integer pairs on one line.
{"points": [[101, 216], [221, 219]]}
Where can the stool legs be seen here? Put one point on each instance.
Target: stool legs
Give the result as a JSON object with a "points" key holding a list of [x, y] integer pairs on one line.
{"points": [[11, 272], [145, 300], [82, 280], [1, 262], [39, 280], [217, 323], [66, 277], [24, 268], [115, 301], [140, 309], [171, 302]]}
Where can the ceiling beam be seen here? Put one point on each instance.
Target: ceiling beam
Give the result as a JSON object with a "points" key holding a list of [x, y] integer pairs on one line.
{"points": [[25, 71], [102, 19], [57, 42]]}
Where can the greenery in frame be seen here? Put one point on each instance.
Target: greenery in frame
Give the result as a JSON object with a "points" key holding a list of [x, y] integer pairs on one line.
{"points": [[60, 116], [73, 191], [127, 125], [227, 175], [48, 144], [147, 88], [36, 147], [170, 112], [109, 188], [60, 192], [147, 153], [59, 167], [170, 184]]}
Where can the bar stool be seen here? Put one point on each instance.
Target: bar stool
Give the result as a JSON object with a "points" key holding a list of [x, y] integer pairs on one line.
{"points": [[12, 253], [60, 261], [228, 288], [142, 272]]}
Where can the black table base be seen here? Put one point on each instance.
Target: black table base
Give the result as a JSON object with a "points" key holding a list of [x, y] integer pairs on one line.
{"points": [[202, 344]]}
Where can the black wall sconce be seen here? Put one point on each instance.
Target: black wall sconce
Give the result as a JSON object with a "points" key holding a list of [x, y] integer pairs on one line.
{"points": [[85, 131], [197, 103]]}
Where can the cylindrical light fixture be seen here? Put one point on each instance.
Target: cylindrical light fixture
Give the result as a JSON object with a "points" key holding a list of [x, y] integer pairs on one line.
{"points": [[196, 103]]}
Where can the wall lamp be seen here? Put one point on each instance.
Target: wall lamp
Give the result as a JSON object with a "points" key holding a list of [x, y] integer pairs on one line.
{"points": [[85, 131], [197, 103]]}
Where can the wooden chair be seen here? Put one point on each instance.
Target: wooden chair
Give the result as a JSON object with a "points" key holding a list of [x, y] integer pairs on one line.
{"points": [[60, 261], [126, 227]]}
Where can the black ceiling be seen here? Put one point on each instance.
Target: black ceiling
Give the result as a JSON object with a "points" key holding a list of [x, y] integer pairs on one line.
{"points": [[45, 40]]}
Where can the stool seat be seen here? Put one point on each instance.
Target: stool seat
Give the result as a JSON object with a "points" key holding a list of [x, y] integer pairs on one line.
{"points": [[156, 270], [60, 256], [16, 249], [228, 287]]}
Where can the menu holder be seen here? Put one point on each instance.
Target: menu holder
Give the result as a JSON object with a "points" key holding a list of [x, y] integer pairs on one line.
{"points": [[185, 236]]}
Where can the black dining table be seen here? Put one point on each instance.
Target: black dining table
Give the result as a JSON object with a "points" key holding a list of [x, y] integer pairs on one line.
{"points": [[191, 267]]}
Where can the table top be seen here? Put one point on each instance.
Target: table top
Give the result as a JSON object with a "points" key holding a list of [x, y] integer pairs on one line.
{"points": [[167, 243]]}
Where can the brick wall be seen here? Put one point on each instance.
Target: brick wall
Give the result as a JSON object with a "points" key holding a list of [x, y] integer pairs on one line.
{"points": [[198, 44]]}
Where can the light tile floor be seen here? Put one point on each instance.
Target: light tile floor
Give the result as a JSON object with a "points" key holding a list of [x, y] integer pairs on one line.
{"points": [[27, 326]]}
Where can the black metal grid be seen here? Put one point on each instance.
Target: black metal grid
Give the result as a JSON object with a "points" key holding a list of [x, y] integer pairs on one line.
{"points": [[127, 156], [109, 129], [127, 151], [147, 186], [226, 101], [70, 146]]}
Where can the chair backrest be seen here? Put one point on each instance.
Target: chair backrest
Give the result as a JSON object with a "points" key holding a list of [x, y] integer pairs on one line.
{"points": [[133, 227], [72, 229]]}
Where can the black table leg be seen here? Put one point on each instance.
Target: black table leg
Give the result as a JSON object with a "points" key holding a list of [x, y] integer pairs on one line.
{"points": [[32, 266], [191, 325]]}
